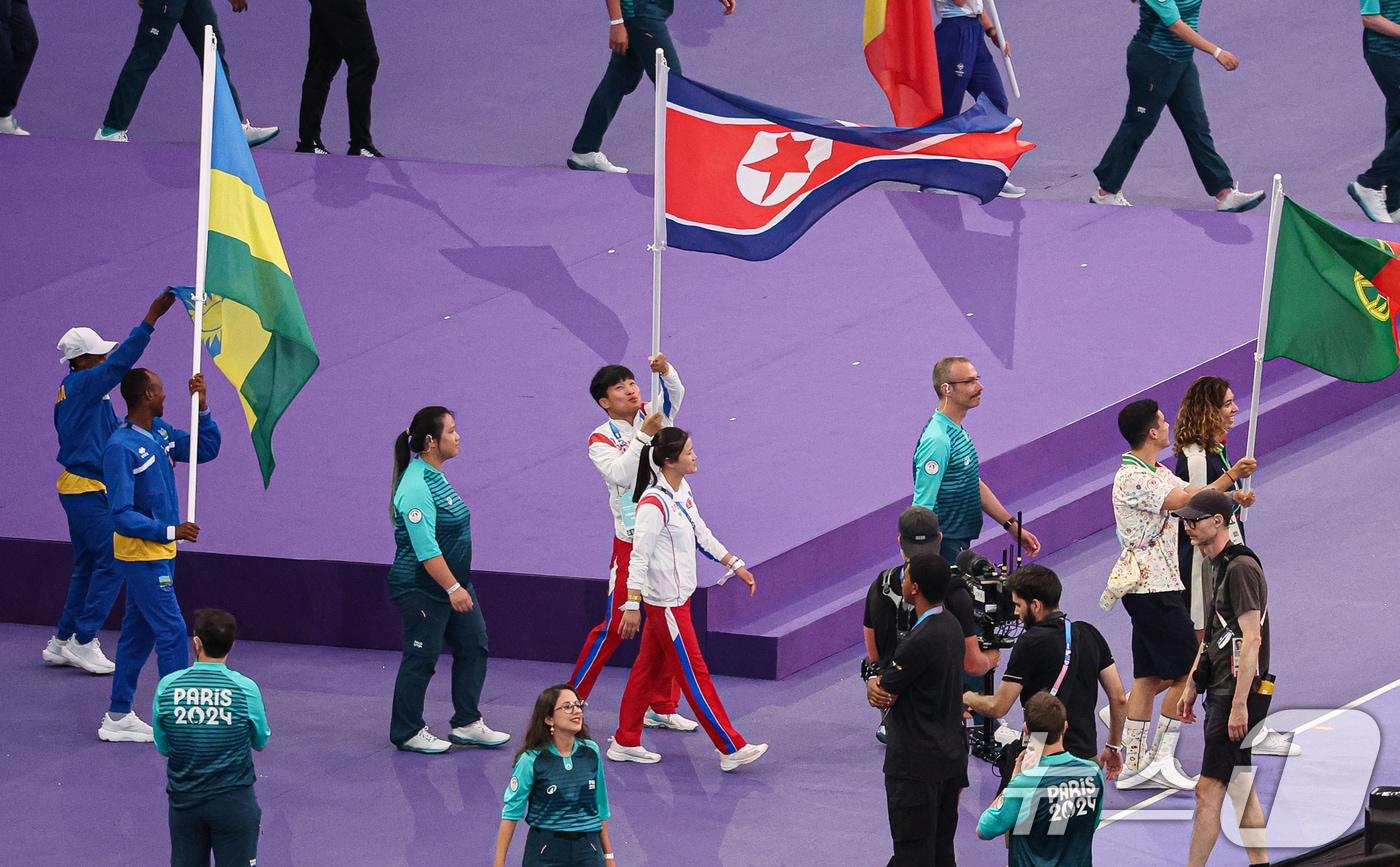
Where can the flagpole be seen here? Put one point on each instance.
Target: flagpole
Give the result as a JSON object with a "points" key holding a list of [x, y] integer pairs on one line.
{"points": [[201, 258], [658, 215], [1001, 43], [1275, 215]]}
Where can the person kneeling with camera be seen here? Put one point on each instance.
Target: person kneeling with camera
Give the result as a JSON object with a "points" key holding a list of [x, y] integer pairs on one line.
{"points": [[1053, 802], [1065, 659]]}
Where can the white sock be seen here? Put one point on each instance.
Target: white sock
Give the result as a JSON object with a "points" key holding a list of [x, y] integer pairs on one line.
{"points": [[1168, 731], [1134, 742]]}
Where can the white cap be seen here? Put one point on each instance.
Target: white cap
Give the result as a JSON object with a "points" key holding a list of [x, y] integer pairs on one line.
{"points": [[83, 341]]}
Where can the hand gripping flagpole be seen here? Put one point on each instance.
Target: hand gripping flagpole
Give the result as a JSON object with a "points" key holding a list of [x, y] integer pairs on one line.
{"points": [[1001, 43], [1275, 215], [658, 215], [201, 259]]}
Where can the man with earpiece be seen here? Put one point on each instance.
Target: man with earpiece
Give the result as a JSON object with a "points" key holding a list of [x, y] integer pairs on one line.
{"points": [[946, 477]]}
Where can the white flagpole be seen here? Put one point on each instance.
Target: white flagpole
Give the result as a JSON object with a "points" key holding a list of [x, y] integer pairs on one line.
{"points": [[201, 258], [658, 215], [1001, 43], [1275, 214]]}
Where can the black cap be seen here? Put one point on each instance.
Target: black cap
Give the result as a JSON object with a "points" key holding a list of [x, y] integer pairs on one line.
{"points": [[1205, 503], [918, 530]]}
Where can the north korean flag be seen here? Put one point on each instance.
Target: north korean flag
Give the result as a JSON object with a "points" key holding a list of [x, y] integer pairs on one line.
{"points": [[747, 179]]}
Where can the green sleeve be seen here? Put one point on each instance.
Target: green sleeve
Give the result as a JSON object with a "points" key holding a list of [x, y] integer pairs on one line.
{"points": [[257, 713], [1000, 818], [1166, 10], [1370, 7], [414, 503], [604, 811], [522, 779], [1102, 783], [157, 731], [930, 465]]}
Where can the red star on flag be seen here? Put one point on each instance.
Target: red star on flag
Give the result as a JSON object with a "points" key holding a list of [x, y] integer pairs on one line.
{"points": [[791, 158]]}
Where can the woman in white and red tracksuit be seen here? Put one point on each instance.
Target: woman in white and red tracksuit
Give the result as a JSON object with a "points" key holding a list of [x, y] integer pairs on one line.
{"points": [[661, 574]]}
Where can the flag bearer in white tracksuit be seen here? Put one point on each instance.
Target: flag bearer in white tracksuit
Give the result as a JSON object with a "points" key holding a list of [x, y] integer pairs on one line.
{"points": [[661, 574]]}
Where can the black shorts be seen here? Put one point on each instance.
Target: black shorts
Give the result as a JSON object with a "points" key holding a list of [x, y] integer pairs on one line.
{"points": [[1164, 641], [1223, 755]]}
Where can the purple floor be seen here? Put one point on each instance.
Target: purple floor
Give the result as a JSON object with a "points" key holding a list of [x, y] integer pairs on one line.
{"points": [[334, 792], [481, 83]]}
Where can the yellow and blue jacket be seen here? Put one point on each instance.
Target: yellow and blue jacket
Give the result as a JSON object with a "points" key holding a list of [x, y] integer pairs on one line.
{"points": [[83, 414], [138, 467]]}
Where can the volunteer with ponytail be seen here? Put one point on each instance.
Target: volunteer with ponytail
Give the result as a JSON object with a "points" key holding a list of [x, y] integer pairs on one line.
{"points": [[661, 578], [430, 582]]}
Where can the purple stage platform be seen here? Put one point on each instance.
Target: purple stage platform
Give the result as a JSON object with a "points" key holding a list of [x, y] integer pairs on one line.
{"points": [[485, 84], [497, 291], [334, 792]]}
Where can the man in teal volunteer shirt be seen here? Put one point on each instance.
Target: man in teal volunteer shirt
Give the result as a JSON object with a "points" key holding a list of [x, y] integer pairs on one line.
{"points": [[946, 477], [205, 718], [84, 420], [1051, 806]]}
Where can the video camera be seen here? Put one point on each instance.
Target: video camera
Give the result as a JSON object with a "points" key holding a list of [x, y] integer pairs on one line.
{"points": [[987, 583]]}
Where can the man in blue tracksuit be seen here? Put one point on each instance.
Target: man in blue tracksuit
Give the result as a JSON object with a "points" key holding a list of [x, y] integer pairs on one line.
{"points": [[84, 419], [138, 467]]}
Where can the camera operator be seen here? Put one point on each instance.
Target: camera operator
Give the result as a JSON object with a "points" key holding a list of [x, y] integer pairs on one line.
{"points": [[1064, 658], [1052, 807], [888, 617], [1232, 669], [926, 760]]}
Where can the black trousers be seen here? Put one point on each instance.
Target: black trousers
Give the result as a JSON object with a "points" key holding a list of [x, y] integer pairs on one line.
{"points": [[427, 624], [547, 849], [226, 824], [19, 41], [923, 821], [1156, 82], [159, 18], [624, 73], [340, 33], [1385, 170]]}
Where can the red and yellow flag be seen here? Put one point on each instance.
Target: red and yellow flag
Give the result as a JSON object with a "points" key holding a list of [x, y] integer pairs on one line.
{"points": [[901, 54]]}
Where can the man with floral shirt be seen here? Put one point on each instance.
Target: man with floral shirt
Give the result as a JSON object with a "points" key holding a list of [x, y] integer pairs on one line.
{"points": [[1148, 578]]}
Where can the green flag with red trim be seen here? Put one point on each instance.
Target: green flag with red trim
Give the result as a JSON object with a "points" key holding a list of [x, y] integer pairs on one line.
{"points": [[1334, 299]]}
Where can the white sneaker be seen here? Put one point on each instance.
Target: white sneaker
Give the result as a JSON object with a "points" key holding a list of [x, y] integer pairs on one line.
{"points": [[1236, 202], [1271, 743], [1110, 199], [1165, 774], [593, 162], [128, 728], [1011, 191], [425, 742], [673, 721], [10, 126], [1372, 202], [640, 754], [119, 135], [257, 135], [742, 756], [88, 657], [53, 652], [478, 734]]}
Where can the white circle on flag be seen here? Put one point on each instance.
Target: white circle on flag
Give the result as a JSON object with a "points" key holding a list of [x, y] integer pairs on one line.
{"points": [[758, 185]]}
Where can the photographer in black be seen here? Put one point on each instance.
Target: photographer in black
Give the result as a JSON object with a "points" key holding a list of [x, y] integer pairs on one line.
{"points": [[888, 617], [1232, 669], [1067, 659], [926, 759]]}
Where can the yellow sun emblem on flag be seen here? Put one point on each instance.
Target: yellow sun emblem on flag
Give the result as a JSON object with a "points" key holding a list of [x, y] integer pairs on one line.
{"points": [[1374, 302]]}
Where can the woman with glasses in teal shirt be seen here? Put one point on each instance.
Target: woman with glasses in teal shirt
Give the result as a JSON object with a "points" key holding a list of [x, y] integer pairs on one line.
{"points": [[557, 787]]}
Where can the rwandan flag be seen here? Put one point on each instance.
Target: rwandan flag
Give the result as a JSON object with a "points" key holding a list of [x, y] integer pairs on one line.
{"points": [[746, 179], [254, 327], [901, 54]]}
